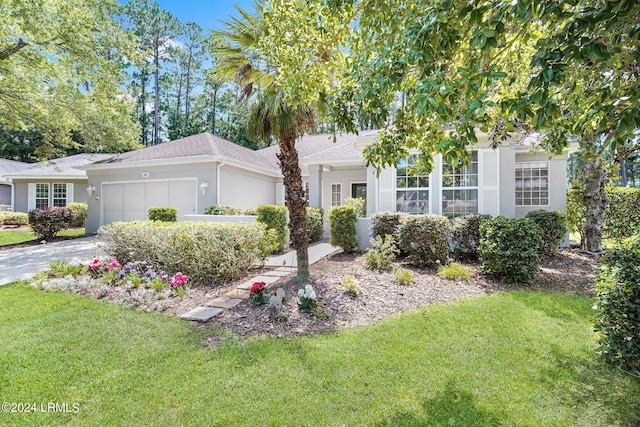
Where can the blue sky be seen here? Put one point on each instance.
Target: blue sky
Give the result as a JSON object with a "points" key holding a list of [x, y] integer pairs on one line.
{"points": [[207, 13]]}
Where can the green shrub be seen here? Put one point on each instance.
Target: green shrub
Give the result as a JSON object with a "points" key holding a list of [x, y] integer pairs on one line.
{"points": [[222, 210], [351, 285], [164, 213], [454, 271], [359, 203], [510, 248], [14, 218], [382, 253], [618, 305], [622, 216], [275, 218], [315, 224], [403, 276], [79, 213], [250, 212], [342, 227], [207, 252], [553, 227], [47, 222], [465, 236], [425, 239], [576, 212], [385, 223]]}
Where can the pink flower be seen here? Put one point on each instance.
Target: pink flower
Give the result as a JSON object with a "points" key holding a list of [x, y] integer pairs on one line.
{"points": [[112, 265], [94, 265], [179, 279]]}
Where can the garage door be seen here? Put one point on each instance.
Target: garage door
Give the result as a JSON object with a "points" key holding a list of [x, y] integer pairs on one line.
{"points": [[130, 201]]}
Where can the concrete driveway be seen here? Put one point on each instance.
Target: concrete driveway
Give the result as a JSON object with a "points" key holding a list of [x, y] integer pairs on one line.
{"points": [[23, 263]]}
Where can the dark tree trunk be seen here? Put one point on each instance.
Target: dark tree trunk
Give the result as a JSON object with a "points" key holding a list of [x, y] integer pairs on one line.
{"points": [[156, 93], [187, 105], [213, 115], [595, 202], [296, 202], [623, 172]]}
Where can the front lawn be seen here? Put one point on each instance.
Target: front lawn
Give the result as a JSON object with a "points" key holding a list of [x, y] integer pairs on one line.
{"points": [[23, 236], [515, 358]]}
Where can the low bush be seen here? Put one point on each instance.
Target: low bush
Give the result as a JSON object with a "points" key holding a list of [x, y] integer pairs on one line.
{"points": [[315, 224], [79, 213], [385, 223], [510, 248], [250, 212], [359, 203], [403, 276], [622, 216], [207, 252], [342, 227], [425, 239], [553, 226], [47, 222], [618, 305], [382, 253], [222, 210], [275, 218], [14, 218], [351, 285], [576, 212], [454, 271], [164, 213], [465, 236]]}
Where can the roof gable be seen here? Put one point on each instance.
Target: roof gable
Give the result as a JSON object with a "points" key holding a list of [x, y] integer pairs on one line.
{"points": [[62, 167]]}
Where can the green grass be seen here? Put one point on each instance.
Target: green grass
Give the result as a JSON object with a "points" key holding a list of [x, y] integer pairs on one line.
{"points": [[9, 237], [513, 359]]}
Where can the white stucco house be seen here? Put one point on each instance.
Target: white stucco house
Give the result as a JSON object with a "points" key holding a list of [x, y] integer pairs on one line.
{"points": [[198, 171]]}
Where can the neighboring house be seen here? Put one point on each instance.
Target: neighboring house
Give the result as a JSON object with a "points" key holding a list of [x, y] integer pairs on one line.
{"points": [[51, 183], [198, 171], [8, 167]]}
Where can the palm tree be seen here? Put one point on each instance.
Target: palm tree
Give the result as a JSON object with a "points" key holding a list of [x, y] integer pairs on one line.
{"points": [[238, 58]]}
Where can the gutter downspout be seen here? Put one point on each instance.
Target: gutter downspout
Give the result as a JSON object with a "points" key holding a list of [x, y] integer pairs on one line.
{"points": [[13, 195], [218, 166]]}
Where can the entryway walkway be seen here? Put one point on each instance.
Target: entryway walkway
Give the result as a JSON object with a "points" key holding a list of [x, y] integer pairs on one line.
{"points": [[286, 264]]}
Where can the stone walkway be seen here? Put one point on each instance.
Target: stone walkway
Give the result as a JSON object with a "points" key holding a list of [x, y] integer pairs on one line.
{"points": [[286, 264]]}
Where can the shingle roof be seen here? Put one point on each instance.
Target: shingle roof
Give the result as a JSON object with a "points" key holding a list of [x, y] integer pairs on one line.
{"points": [[63, 167], [203, 144], [11, 166]]}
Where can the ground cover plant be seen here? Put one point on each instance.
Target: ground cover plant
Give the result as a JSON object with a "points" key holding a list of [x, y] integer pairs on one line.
{"points": [[514, 358]]}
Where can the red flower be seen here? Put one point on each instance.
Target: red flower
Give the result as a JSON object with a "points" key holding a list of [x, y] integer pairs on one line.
{"points": [[258, 287], [94, 265]]}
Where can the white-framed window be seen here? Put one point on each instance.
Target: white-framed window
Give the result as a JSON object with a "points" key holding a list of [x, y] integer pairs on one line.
{"points": [[336, 194], [59, 195], [41, 195], [532, 184], [412, 191], [460, 188]]}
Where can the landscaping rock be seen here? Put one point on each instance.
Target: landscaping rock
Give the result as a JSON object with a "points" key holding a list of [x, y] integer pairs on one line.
{"points": [[238, 293]]}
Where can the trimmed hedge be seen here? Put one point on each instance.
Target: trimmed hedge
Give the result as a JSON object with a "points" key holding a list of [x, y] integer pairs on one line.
{"points": [[510, 248], [14, 218], [425, 239], [207, 252], [342, 227], [618, 305], [359, 203], [385, 223], [47, 222], [315, 224], [79, 213], [164, 213], [553, 227], [465, 236], [222, 210], [576, 212], [275, 218], [622, 216]]}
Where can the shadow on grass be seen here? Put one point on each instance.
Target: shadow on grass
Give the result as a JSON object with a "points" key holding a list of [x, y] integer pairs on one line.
{"points": [[451, 407]]}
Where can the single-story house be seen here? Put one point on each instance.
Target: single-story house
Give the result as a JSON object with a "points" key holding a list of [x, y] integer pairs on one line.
{"points": [[7, 167], [198, 171], [51, 183]]}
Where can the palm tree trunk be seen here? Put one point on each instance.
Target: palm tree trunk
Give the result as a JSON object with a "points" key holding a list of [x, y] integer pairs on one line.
{"points": [[296, 202]]}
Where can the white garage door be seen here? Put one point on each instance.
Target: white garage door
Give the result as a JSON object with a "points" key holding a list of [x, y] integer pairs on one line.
{"points": [[130, 201]]}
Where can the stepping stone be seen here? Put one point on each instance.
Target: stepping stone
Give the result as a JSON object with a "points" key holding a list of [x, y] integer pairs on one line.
{"points": [[224, 302], [276, 273], [286, 269], [202, 314], [245, 286], [266, 279], [238, 293]]}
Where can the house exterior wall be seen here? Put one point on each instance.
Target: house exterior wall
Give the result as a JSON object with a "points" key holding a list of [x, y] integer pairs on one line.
{"points": [[5, 194], [557, 182], [345, 177], [21, 188], [201, 172], [245, 189]]}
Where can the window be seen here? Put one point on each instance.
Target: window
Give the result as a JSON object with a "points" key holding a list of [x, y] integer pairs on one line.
{"points": [[460, 188], [412, 191], [306, 192], [59, 194], [532, 184], [336, 194], [42, 196]]}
